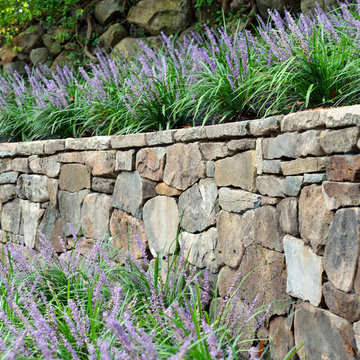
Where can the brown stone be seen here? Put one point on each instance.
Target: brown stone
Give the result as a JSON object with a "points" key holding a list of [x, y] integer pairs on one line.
{"points": [[54, 146], [103, 185], [339, 141], [125, 160], [184, 165], [235, 146], [214, 150], [150, 162], [282, 338], [20, 165], [340, 194], [164, 189], [47, 166], [100, 162], [227, 279], [160, 137], [30, 148], [303, 165], [288, 218], [343, 168], [83, 246], [53, 185], [74, 177], [72, 157], [314, 217], [308, 119]]}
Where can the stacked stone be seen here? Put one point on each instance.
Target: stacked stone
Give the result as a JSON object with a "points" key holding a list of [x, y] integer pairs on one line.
{"points": [[276, 198]]}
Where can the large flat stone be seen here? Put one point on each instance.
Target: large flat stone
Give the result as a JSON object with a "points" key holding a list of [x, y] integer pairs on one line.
{"points": [[238, 145], [340, 194], [309, 119], [164, 189], [304, 271], [90, 143], [237, 201], [74, 177], [303, 165], [282, 338], [227, 131], [20, 165], [339, 141], [343, 168], [263, 127], [279, 187], [128, 141], [309, 143], [150, 162], [100, 162], [8, 177], [342, 116], [238, 170], [33, 187], [324, 335], [342, 248]]}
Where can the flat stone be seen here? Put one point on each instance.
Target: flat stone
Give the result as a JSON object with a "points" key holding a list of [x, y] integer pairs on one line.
{"points": [[6, 154], [214, 150], [160, 137], [47, 166], [342, 116], [228, 130], [231, 244], [288, 218], [70, 209], [164, 189], [10, 216], [343, 168], [72, 157], [282, 338], [302, 120], [342, 304], [30, 148], [74, 177], [128, 141], [54, 146], [264, 127], [103, 185], [6, 165], [342, 248], [161, 219], [51, 227], [314, 178], [31, 214], [197, 206], [340, 194], [238, 170], [269, 266], [271, 185], [95, 214], [324, 335], [304, 271], [53, 186], [201, 249], [8, 147], [100, 162], [271, 166], [150, 162], [292, 185], [314, 217], [339, 141], [235, 146], [303, 165], [237, 201], [124, 229], [284, 145], [33, 187], [190, 134], [184, 165], [20, 165], [309, 143], [8, 177], [7, 192], [90, 143], [210, 169], [125, 160]]}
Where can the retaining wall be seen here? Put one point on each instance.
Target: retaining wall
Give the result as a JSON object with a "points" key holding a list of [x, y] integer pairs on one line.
{"points": [[282, 194]]}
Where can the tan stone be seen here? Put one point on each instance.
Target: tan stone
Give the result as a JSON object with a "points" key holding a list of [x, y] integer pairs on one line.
{"points": [[83, 246], [74, 177], [30, 148], [53, 185], [234, 200], [190, 134], [228, 278], [339, 141], [72, 157], [228, 130], [238, 170], [308, 119], [340, 194], [288, 218], [342, 116], [235, 146], [54, 146], [100, 162], [125, 160], [20, 165], [90, 143], [160, 137], [282, 338], [128, 141], [6, 165], [47, 166], [124, 229], [263, 127], [343, 168], [164, 189], [303, 165], [309, 143], [150, 162], [214, 150]]}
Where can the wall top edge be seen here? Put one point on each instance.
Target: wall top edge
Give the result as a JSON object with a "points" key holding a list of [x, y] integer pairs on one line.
{"points": [[300, 121]]}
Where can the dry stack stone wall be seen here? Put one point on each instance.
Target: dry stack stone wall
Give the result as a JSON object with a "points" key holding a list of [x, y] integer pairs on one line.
{"points": [[280, 195]]}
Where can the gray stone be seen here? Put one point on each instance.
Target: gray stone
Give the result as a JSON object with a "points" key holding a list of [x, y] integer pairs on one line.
{"points": [[323, 334], [70, 209], [130, 140], [33, 187], [160, 137], [54, 146], [7, 192], [107, 11], [201, 249], [210, 169], [100, 162], [342, 116], [53, 186], [271, 185], [342, 248], [304, 271], [90, 143], [72, 157], [258, 156], [103, 185], [95, 214], [339, 141], [8, 177], [197, 206], [150, 162], [161, 219], [340, 194], [29, 39], [284, 145], [214, 150], [238, 170], [264, 127], [40, 56], [10, 216], [15, 66], [302, 120], [112, 36], [125, 160], [292, 185], [288, 218], [282, 338], [47, 166], [190, 134], [74, 177], [314, 178], [30, 216], [54, 47], [227, 131], [238, 200], [303, 165], [30, 148], [271, 166], [235, 146], [309, 143], [6, 165], [184, 165]]}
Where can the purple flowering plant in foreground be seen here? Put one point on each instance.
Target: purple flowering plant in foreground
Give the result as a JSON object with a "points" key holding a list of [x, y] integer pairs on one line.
{"points": [[73, 307], [284, 64]]}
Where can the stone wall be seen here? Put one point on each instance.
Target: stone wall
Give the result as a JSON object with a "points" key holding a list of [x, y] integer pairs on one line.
{"points": [[281, 193]]}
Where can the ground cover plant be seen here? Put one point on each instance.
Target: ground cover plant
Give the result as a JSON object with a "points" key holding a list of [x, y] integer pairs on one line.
{"points": [[285, 64], [75, 307]]}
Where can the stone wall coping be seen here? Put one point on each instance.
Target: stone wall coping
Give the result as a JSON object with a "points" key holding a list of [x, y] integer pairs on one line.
{"points": [[329, 118]]}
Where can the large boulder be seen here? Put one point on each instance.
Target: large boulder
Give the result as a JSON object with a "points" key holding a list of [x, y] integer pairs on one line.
{"points": [[112, 36], [107, 11]]}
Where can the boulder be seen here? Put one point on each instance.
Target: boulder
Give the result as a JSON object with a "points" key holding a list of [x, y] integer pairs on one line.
{"points": [[16, 66], [238, 201], [40, 56], [33, 187], [112, 36], [107, 11], [54, 47], [150, 162], [29, 39]]}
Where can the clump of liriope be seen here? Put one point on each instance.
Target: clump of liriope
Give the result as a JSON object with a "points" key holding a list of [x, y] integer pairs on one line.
{"points": [[73, 307]]}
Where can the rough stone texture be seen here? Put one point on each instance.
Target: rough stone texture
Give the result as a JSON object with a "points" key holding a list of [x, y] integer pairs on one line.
{"points": [[304, 271], [90, 143], [302, 120], [340, 194], [70, 209], [128, 141], [150, 162], [30, 219], [184, 165], [309, 143], [160, 137], [40, 56], [288, 218], [342, 116], [231, 245], [279, 187], [125, 160], [270, 269], [314, 178], [235, 146], [7, 192], [33, 188], [6, 165], [264, 127], [356, 328], [112, 36], [100, 162], [30, 148], [74, 177], [303, 165], [210, 169], [226, 131], [201, 249], [284, 145], [314, 217], [342, 304], [271, 166], [20, 165], [72, 157], [282, 338], [227, 278], [197, 206], [107, 11], [161, 219], [51, 226], [343, 168], [190, 134], [10, 216], [103, 185], [164, 189], [8, 177], [82, 247], [267, 231], [214, 150], [339, 141], [53, 186], [325, 335], [54, 146], [124, 229], [95, 213], [47, 166], [238, 170], [237, 200], [342, 248]]}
